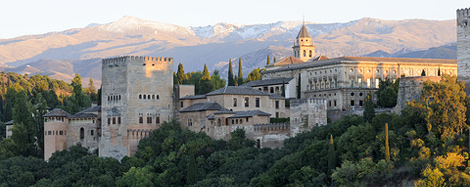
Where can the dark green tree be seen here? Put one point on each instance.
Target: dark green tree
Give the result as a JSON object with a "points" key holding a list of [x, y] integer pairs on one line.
{"points": [[299, 88], [369, 110], [217, 81], [423, 73], [268, 61], [274, 59], [205, 85], [240, 72], [180, 74], [231, 81], [24, 130], [191, 178]]}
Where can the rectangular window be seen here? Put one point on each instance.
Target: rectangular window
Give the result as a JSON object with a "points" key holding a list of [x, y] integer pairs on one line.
{"points": [[92, 132], [247, 119], [277, 114], [335, 102], [149, 120], [359, 82], [114, 120], [360, 103], [329, 103], [257, 102], [277, 104], [377, 83], [61, 132], [119, 120], [109, 121], [181, 104], [234, 102], [247, 102], [352, 102], [190, 122], [141, 119], [157, 120], [368, 83]]}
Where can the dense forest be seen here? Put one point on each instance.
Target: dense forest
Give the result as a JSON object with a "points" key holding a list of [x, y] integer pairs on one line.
{"points": [[427, 145]]}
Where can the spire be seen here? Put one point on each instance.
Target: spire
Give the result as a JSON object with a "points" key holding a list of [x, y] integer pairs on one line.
{"points": [[303, 32]]}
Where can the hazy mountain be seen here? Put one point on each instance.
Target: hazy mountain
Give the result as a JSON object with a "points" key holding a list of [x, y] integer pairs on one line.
{"points": [[442, 52], [79, 50]]}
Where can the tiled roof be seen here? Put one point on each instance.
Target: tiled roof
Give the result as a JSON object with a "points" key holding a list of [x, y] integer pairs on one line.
{"points": [[275, 96], [237, 90], [321, 57], [202, 107], [249, 113], [267, 82], [288, 61], [224, 111], [194, 97], [93, 109], [303, 32], [57, 112], [355, 60], [83, 115], [9, 122]]}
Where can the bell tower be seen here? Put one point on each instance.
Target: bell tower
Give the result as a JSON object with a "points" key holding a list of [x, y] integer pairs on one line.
{"points": [[304, 49]]}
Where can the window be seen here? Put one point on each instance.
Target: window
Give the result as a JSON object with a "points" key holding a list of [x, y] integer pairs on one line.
{"points": [[277, 104], [141, 119], [48, 132], [158, 97], [247, 119], [82, 133], [190, 122], [310, 53], [114, 120], [360, 103], [368, 83], [352, 102], [247, 102], [157, 120], [153, 96], [234, 102], [149, 120], [257, 102], [61, 132], [377, 83], [181, 104], [92, 132], [258, 143], [145, 96], [119, 97], [233, 121], [271, 90], [335, 102], [305, 53], [109, 121], [277, 114], [119, 120], [140, 96]]}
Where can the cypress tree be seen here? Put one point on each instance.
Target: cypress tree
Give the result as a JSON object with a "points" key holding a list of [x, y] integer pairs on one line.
{"points": [[180, 74], [205, 74], [369, 111], [423, 73], [387, 149], [274, 59], [240, 72], [231, 81], [439, 72], [283, 89], [268, 61], [331, 156], [192, 170], [236, 80]]}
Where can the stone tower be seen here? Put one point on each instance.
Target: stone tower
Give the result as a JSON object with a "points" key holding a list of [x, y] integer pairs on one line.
{"points": [[463, 47], [136, 98], [304, 49]]}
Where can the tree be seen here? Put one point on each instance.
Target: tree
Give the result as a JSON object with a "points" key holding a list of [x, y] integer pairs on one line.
{"points": [[38, 112], [254, 75], [387, 149], [136, 177], [387, 93], [192, 170], [24, 130], [205, 74], [331, 156], [217, 81], [91, 86], [231, 81], [78, 100], [369, 111], [268, 61], [423, 73], [274, 59], [240, 72], [180, 76]]}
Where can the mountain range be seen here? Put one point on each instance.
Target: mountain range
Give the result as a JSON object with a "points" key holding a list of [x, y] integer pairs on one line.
{"points": [[80, 50]]}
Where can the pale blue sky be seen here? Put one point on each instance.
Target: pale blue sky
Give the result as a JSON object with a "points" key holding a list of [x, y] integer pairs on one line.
{"points": [[22, 17]]}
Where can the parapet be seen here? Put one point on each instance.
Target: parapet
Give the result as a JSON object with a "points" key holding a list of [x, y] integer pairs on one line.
{"points": [[140, 59], [296, 102], [271, 126], [463, 17]]}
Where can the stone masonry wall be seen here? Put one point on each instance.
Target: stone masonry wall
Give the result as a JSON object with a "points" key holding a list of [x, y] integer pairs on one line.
{"points": [[409, 89], [463, 47]]}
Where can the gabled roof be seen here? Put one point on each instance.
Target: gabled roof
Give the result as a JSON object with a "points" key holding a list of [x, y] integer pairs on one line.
{"points": [[237, 90], [194, 97], [202, 107], [321, 57], [268, 82], [288, 60], [57, 112], [303, 33], [9, 122], [249, 113]]}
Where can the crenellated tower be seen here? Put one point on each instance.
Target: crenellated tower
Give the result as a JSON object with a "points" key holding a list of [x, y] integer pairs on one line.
{"points": [[136, 98], [463, 47], [304, 48]]}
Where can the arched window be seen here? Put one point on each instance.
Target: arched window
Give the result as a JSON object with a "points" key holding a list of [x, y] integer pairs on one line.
{"points": [[310, 53], [140, 96], [82, 133], [158, 96], [145, 96], [305, 53], [153, 96]]}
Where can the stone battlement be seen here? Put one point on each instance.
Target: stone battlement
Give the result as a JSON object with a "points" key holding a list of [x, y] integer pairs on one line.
{"points": [[296, 102], [137, 59], [271, 126], [463, 12]]}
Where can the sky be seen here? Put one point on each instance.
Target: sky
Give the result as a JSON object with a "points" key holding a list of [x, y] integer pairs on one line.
{"points": [[25, 17]]}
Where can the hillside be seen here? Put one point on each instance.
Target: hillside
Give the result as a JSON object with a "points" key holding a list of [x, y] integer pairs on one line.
{"points": [[82, 48]]}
